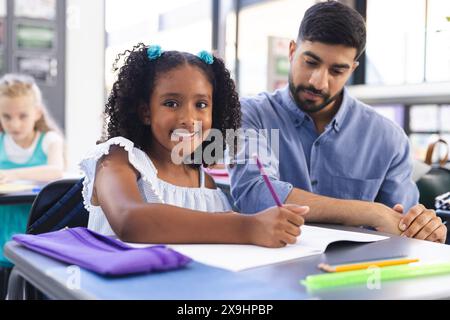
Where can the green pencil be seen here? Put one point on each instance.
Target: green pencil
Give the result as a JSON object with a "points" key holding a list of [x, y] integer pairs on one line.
{"points": [[323, 281]]}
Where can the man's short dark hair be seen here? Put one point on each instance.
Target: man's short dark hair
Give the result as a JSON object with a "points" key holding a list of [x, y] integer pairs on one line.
{"points": [[332, 22]]}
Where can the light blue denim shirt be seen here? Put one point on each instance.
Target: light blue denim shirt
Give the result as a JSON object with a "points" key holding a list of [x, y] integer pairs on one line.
{"points": [[360, 155]]}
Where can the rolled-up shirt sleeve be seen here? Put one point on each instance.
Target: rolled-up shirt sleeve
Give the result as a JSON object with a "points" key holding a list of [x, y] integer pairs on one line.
{"points": [[248, 187]]}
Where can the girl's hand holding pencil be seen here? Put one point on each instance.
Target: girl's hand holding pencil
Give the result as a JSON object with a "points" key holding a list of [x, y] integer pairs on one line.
{"points": [[280, 225], [277, 226]]}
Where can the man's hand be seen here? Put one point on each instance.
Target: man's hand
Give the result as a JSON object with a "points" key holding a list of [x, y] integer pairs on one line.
{"points": [[422, 223], [387, 219]]}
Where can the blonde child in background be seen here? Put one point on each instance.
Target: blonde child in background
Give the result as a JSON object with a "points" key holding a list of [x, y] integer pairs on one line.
{"points": [[31, 148]]}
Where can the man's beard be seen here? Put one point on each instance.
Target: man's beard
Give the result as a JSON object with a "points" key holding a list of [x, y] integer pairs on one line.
{"points": [[309, 106]]}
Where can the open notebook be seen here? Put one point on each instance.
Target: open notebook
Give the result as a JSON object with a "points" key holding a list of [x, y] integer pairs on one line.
{"points": [[312, 241]]}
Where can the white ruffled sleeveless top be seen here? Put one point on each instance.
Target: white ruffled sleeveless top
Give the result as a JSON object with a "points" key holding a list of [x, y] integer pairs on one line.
{"points": [[152, 189]]}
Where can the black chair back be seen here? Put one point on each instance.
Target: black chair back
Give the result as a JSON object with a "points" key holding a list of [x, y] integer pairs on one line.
{"points": [[59, 204]]}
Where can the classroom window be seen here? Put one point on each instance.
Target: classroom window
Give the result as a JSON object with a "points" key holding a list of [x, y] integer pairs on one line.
{"points": [[262, 48], [438, 41], [424, 118], [427, 124], [35, 9], [173, 24], [418, 47], [2, 8], [399, 57], [395, 113], [445, 118]]}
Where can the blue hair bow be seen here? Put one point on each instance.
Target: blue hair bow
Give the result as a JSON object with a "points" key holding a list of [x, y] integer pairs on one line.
{"points": [[154, 52], [206, 57]]}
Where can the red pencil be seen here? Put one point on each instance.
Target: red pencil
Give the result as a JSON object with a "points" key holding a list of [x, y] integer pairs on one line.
{"points": [[266, 179]]}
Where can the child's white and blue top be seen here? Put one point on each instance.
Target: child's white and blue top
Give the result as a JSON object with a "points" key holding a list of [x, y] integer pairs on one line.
{"points": [[152, 189]]}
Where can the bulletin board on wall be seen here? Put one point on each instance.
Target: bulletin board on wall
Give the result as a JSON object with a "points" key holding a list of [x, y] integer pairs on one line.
{"points": [[34, 34]]}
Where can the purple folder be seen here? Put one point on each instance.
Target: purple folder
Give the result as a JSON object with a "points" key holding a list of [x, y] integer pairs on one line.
{"points": [[101, 254]]}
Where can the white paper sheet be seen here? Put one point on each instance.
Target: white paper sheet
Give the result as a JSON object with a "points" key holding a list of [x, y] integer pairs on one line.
{"points": [[312, 241]]}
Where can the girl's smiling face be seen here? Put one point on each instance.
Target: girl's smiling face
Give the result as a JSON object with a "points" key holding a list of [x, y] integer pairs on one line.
{"points": [[180, 110]]}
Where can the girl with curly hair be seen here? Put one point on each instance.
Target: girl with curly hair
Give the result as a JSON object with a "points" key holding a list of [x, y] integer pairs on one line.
{"points": [[134, 186]]}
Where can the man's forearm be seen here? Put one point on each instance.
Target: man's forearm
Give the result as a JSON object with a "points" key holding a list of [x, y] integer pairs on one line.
{"points": [[330, 210]]}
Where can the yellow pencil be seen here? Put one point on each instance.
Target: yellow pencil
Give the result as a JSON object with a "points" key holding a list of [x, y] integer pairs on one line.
{"points": [[364, 265]]}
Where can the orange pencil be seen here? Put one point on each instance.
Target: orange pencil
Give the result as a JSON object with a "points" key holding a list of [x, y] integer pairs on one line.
{"points": [[364, 265]]}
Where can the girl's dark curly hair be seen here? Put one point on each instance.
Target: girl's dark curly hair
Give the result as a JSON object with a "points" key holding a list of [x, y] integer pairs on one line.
{"points": [[134, 87]]}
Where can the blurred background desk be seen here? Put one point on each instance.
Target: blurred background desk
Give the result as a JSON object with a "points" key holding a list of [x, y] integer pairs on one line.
{"points": [[22, 196]]}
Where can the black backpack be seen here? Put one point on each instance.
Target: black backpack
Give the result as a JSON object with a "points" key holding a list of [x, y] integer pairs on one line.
{"points": [[58, 205]]}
